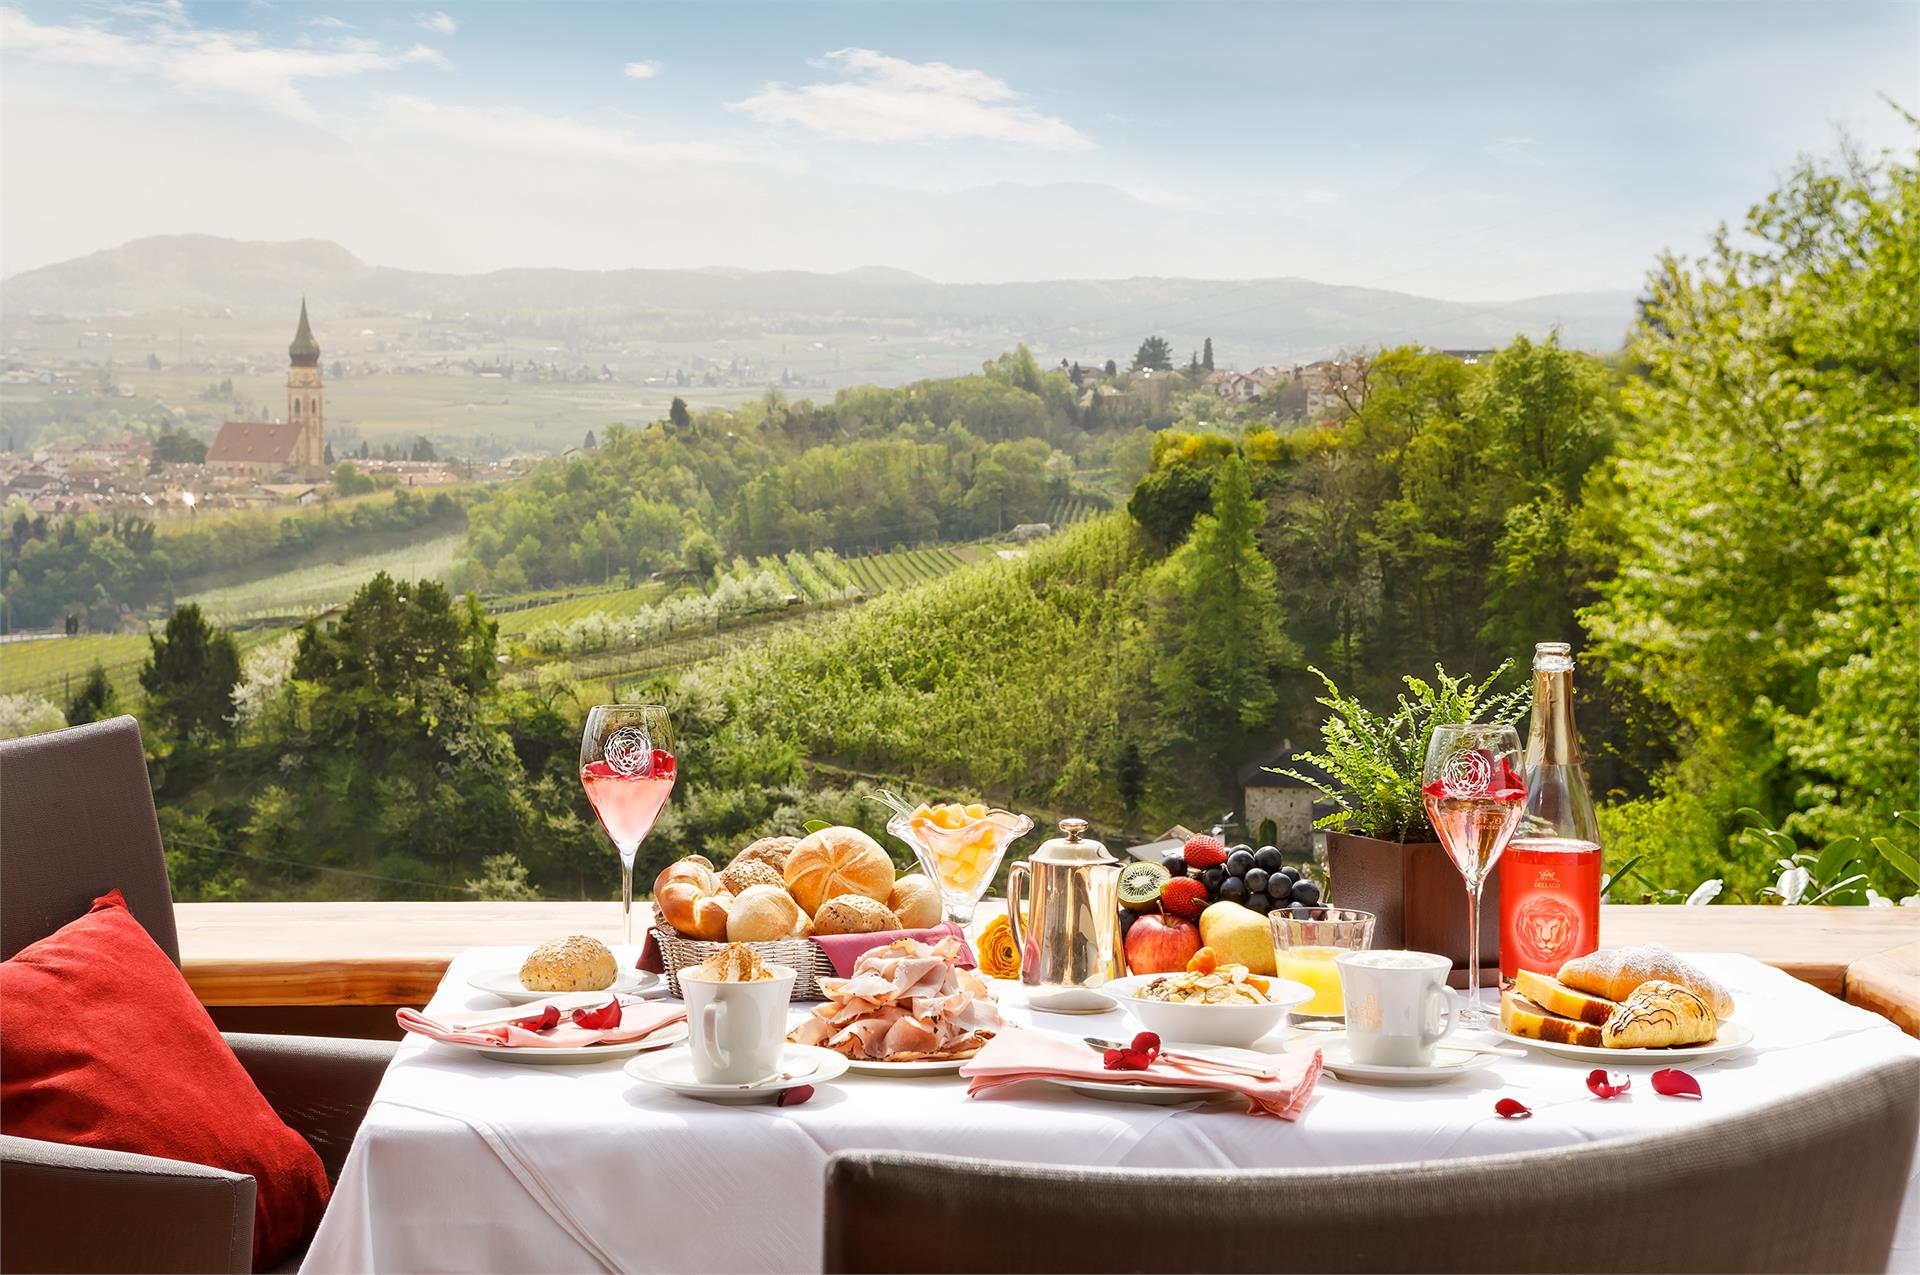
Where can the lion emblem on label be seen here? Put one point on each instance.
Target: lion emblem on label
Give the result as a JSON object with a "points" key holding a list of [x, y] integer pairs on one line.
{"points": [[1466, 774], [629, 751], [1547, 931]]}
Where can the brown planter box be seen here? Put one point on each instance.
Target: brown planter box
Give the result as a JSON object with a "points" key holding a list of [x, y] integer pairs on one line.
{"points": [[1416, 894]]}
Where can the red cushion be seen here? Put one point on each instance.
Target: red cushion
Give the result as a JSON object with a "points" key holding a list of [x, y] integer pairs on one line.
{"points": [[102, 1044]]}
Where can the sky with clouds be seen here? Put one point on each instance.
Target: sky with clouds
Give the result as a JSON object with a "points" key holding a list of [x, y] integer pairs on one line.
{"points": [[1468, 150]]}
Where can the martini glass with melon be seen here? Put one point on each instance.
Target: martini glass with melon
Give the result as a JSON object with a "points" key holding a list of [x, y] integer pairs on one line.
{"points": [[960, 846]]}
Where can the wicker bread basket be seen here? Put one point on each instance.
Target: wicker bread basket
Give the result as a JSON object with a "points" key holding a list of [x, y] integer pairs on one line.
{"points": [[805, 957]]}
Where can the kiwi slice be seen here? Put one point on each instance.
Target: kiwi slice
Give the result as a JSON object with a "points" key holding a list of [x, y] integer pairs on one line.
{"points": [[1140, 885]]}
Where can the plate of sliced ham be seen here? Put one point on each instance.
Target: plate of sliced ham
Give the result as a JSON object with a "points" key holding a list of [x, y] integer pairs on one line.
{"points": [[907, 1009]]}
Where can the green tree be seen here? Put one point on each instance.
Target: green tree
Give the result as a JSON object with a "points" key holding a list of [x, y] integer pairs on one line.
{"points": [[190, 674], [1215, 629], [1166, 502], [1206, 355], [348, 480], [1154, 354], [678, 416], [96, 700], [1764, 501]]}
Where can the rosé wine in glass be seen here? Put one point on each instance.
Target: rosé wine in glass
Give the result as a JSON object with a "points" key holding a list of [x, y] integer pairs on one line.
{"points": [[627, 767], [1474, 796]]}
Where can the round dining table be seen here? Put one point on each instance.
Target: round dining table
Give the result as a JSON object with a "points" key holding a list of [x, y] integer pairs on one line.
{"points": [[468, 1163]]}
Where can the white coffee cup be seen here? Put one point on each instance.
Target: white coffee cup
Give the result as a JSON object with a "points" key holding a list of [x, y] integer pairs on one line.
{"points": [[737, 1029], [1398, 1005]]}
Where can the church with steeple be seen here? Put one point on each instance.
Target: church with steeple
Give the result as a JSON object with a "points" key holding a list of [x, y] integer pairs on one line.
{"points": [[295, 447]]}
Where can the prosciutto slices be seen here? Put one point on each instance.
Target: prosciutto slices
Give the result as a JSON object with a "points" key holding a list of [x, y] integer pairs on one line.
{"points": [[906, 1002]]}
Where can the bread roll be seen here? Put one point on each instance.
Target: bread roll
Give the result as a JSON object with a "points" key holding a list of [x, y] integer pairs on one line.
{"points": [[770, 850], [762, 914], [744, 872], [916, 901], [689, 897], [1659, 1014], [1614, 972], [854, 914], [837, 861], [576, 963]]}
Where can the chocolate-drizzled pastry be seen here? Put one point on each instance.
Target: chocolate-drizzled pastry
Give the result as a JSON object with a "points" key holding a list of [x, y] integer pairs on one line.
{"points": [[1660, 1014]]}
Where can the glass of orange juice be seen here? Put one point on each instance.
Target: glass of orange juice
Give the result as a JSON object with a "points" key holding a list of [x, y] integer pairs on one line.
{"points": [[1305, 941]]}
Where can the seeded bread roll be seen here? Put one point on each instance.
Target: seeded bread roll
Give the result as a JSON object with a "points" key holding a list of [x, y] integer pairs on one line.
{"points": [[854, 914], [744, 872], [576, 963]]}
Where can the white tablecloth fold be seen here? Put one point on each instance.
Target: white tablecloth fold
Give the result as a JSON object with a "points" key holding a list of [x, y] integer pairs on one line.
{"points": [[467, 1164]]}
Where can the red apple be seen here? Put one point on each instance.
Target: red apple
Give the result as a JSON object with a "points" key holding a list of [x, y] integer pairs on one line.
{"points": [[1161, 944]]}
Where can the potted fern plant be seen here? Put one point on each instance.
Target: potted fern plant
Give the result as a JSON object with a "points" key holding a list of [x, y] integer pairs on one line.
{"points": [[1382, 855]]}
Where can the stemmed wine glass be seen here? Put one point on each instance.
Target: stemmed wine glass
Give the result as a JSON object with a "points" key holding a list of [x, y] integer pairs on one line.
{"points": [[1474, 795], [627, 767]]}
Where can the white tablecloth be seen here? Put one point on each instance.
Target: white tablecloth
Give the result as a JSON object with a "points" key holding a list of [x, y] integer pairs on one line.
{"points": [[467, 1164]]}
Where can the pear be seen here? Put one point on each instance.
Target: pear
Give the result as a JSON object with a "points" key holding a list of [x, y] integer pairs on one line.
{"points": [[1238, 936]]}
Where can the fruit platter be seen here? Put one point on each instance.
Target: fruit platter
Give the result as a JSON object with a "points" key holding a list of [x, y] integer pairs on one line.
{"points": [[1208, 894]]}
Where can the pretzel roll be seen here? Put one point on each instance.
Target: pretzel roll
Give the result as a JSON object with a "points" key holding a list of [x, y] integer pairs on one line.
{"points": [[837, 861], [689, 897]]}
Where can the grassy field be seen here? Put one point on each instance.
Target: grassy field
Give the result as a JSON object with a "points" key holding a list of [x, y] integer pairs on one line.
{"points": [[895, 570], [54, 667], [563, 609], [318, 587]]}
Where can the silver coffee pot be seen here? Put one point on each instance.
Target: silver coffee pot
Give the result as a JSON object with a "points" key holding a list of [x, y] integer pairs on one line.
{"points": [[1071, 937]]}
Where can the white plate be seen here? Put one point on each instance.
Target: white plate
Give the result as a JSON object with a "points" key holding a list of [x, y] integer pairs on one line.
{"points": [[926, 1067], [575, 1055], [1449, 1061], [799, 1065], [504, 981], [1149, 1095], [1732, 1037]]}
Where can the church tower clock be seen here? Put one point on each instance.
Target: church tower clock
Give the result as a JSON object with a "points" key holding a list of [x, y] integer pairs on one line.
{"points": [[305, 400]]}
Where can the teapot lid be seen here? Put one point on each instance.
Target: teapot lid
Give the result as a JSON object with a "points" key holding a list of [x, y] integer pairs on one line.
{"points": [[1074, 847]]}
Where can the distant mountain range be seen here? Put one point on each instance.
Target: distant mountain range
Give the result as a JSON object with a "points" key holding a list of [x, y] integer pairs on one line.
{"points": [[1276, 318]]}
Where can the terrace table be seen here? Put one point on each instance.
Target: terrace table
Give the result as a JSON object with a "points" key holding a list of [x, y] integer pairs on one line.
{"points": [[465, 1163]]}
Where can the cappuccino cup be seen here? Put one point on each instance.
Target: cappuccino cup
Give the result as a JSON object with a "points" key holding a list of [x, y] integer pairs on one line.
{"points": [[1398, 1005], [737, 1029]]}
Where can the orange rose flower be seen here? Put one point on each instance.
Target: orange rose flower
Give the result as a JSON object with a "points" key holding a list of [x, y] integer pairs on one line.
{"points": [[999, 958]]}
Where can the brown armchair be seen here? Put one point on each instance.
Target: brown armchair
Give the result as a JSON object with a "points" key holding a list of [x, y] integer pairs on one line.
{"points": [[65, 840], [1814, 1182]]}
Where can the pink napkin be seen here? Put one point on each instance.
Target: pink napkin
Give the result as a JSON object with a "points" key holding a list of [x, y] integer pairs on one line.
{"points": [[844, 949], [1015, 1055], [636, 1020]]}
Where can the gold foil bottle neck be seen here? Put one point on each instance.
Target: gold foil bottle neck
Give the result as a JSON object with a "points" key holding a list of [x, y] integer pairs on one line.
{"points": [[1551, 737]]}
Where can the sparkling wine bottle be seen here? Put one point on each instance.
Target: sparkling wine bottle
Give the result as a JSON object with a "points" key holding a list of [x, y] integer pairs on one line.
{"points": [[1550, 878]]}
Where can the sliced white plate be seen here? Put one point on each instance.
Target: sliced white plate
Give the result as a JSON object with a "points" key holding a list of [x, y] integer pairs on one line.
{"points": [[925, 1067], [799, 1065], [575, 1055], [1732, 1037], [504, 981], [1449, 1061]]}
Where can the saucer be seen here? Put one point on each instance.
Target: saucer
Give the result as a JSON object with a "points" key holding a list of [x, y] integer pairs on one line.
{"points": [[799, 1065], [1449, 1061], [1070, 1000]]}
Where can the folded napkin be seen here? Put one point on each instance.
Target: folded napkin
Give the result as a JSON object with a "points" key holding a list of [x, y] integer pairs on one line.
{"points": [[1016, 1054], [637, 1019], [841, 949]]}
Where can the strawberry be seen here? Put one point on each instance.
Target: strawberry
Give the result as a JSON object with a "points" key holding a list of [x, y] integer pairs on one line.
{"points": [[1184, 896], [1203, 852]]}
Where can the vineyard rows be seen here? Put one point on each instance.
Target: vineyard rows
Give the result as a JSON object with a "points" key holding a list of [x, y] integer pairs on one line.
{"points": [[897, 570], [55, 667]]}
